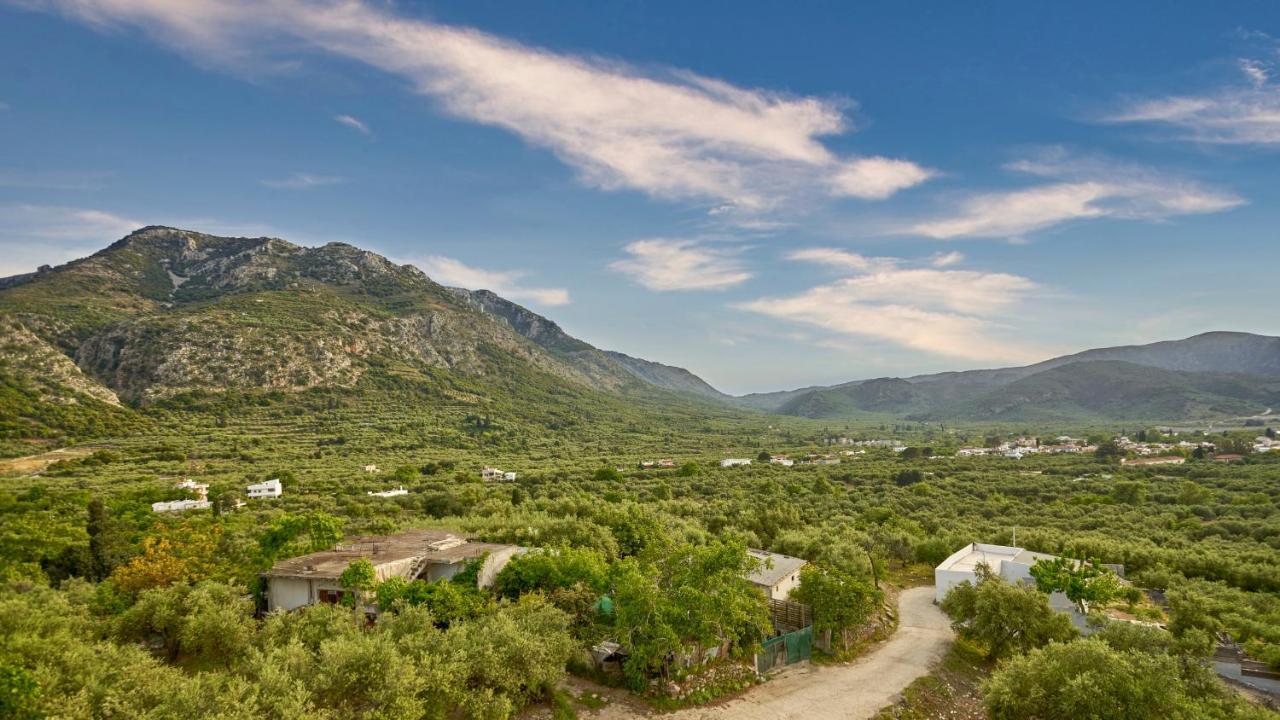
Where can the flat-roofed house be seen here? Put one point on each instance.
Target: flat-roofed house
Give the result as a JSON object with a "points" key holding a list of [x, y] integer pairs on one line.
{"points": [[269, 489], [777, 574], [1013, 564], [413, 555]]}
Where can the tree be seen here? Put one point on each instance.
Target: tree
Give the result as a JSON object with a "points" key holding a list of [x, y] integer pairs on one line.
{"points": [[1129, 492], [1109, 452], [689, 469], [219, 624], [1091, 680], [764, 456], [1005, 619], [101, 540], [19, 694], [1084, 583], [607, 474], [358, 578], [841, 602], [158, 566], [908, 477]]}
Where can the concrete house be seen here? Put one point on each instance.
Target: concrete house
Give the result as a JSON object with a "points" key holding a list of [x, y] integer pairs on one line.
{"points": [[732, 462], [777, 575], [1013, 564], [269, 489], [413, 555]]}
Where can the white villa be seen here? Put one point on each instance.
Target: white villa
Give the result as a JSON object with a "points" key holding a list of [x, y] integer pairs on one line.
{"points": [[269, 489], [777, 575]]}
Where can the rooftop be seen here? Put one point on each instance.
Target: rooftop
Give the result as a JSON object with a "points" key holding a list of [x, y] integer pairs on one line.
{"points": [[434, 546], [774, 567], [969, 557]]}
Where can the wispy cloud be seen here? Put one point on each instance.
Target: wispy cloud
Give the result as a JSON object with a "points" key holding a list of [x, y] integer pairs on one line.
{"points": [[507, 283], [954, 313], [1243, 112], [34, 235], [354, 123], [303, 181], [665, 264], [946, 259], [1082, 188], [672, 134]]}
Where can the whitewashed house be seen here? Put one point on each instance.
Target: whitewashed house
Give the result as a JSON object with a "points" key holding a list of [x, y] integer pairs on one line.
{"points": [[269, 489], [201, 490], [733, 462], [509, 476], [371, 468], [782, 460]]}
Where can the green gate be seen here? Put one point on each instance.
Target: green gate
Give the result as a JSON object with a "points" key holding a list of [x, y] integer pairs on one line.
{"points": [[785, 650]]}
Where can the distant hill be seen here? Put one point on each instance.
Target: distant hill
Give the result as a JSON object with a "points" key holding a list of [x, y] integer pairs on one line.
{"points": [[1213, 374]]}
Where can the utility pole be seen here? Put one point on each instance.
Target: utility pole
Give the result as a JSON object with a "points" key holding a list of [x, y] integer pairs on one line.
{"points": [[1015, 536]]}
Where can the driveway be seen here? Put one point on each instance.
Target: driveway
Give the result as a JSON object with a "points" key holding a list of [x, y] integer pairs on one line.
{"points": [[830, 692]]}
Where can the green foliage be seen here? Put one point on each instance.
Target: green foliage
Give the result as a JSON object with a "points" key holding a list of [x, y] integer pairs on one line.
{"points": [[1084, 583], [448, 602], [841, 601], [607, 474], [1004, 619], [1093, 680]]}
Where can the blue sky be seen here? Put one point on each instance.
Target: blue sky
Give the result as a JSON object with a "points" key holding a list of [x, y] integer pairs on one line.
{"points": [[771, 197]]}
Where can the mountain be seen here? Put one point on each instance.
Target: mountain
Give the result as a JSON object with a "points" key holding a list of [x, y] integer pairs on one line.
{"points": [[165, 315], [1213, 374], [668, 377]]}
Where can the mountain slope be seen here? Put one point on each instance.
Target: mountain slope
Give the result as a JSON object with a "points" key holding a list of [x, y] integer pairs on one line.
{"points": [[165, 312], [1210, 374], [668, 377]]}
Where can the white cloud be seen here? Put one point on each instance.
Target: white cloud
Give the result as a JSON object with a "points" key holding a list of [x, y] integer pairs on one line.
{"points": [[354, 123], [302, 181], [665, 264], [955, 313], [1084, 188], [507, 283], [1234, 114], [946, 259], [674, 135], [34, 235]]}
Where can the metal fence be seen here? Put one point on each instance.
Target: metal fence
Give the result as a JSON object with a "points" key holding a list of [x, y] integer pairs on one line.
{"points": [[784, 650]]}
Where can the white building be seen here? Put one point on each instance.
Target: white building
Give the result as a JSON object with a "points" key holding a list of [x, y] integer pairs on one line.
{"points": [[269, 489], [782, 460], [371, 468], [777, 575], [732, 462], [390, 493], [1013, 564], [509, 476], [179, 505], [201, 490]]}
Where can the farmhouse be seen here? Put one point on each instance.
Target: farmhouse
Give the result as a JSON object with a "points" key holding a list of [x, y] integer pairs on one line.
{"points": [[777, 575], [269, 489], [413, 554]]}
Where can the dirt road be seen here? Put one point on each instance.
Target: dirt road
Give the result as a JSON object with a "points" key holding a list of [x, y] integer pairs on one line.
{"points": [[840, 692]]}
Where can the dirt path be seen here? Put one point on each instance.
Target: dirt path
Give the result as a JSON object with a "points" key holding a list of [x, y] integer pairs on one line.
{"points": [[831, 692], [36, 463]]}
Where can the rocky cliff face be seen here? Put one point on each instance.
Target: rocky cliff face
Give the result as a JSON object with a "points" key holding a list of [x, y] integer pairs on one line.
{"points": [[167, 311]]}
